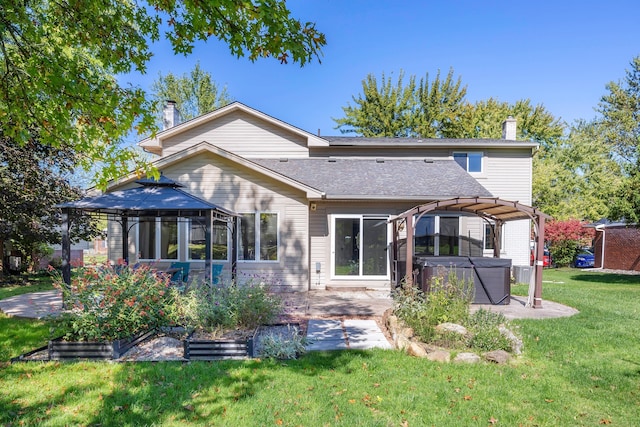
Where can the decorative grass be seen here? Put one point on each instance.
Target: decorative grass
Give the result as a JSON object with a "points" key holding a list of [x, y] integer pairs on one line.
{"points": [[577, 371]]}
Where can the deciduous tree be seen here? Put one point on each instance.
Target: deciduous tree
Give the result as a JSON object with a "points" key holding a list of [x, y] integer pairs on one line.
{"points": [[58, 60]]}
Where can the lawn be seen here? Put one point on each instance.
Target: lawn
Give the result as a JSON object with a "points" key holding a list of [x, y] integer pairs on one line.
{"points": [[578, 371]]}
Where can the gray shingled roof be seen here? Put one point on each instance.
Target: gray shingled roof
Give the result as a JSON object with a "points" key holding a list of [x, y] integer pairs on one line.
{"points": [[380, 178], [351, 141]]}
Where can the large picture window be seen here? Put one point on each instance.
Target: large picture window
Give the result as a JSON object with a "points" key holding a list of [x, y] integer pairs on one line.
{"points": [[258, 237], [360, 246], [158, 238]]}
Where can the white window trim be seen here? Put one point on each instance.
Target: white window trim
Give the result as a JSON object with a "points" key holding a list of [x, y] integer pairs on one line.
{"points": [[158, 248], [333, 276], [257, 241], [484, 239], [482, 161]]}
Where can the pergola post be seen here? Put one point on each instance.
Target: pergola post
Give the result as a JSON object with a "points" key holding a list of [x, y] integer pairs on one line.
{"points": [[537, 293], [66, 248], [408, 275]]}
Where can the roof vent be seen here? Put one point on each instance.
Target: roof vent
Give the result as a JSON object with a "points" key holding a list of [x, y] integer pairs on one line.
{"points": [[332, 160], [284, 160], [428, 160], [379, 160]]}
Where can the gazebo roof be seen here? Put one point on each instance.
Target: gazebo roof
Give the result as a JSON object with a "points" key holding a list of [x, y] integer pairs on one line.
{"points": [[154, 198]]}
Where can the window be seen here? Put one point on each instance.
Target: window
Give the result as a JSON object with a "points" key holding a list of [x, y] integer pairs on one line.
{"points": [[258, 237], [471, 162], [158, 238], [220, 242], [437, 235], [360, 246]]}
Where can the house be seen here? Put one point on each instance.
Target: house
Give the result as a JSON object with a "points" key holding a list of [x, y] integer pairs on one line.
{"points": [[616, 245], [314, 211]]}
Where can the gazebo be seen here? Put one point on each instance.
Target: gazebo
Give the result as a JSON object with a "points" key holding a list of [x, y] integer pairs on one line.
{"points": [[160, 197], [493, 210]]}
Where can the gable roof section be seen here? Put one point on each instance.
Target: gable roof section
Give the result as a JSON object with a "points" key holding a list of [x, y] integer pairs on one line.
{"points": [[205, 147], [379, 179], [154, 145]]}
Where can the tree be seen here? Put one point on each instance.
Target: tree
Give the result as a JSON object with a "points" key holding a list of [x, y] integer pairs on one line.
{"points": [[439, 105], [387, 111], [578, 177], [620, 109], [33, 179], [195, 93], [58, 60]]}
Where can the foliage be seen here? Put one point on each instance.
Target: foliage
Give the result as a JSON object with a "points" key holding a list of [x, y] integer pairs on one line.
{"points": [[403, 111], [113, 302], [33, 179], [230, 305], [285, 345], [58, 60], [448, 300], [485, 334], [579, 177], [565, 238], [195, 93], [620, 109]]}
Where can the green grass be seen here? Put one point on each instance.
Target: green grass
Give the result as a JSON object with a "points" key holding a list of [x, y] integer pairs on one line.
{"points": [[22, 284], [577, 371]]}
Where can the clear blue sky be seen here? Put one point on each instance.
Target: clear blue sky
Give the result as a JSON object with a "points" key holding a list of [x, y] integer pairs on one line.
{"points": [[557, 53]]}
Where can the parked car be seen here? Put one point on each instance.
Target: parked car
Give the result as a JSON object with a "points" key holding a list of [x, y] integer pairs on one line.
{"points": [[584, 259], [546, 258]]}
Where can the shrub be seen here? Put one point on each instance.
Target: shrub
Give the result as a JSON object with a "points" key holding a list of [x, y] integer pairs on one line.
{"points": [[485, 333], [229, 306], [110, 303], [285, 345], [448, 300]]}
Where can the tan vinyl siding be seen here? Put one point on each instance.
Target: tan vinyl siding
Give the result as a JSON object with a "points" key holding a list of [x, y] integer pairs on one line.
{"points": [[242, 134]]}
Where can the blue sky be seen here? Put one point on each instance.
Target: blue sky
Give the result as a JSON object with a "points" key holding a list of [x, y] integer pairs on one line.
{"points": [[557, 53]]}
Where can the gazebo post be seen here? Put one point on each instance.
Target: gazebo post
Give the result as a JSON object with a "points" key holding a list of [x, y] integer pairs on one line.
{"points": [[234, 248], [207, 247], [66, 248], [125, 239]]}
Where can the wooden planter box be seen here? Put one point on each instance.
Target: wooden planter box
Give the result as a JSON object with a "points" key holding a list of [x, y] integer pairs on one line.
{"points": [[220, 349], [96, 350]]}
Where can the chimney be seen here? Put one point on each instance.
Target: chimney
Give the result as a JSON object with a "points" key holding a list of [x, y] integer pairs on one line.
{"points": [[170, 115], [509, 129]]}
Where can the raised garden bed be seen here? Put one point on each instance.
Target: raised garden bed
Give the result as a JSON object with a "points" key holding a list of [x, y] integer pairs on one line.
{"points": [[96, 350], [196, 348]]}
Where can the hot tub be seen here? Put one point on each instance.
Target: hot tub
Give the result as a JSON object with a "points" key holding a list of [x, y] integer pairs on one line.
{"points": [[491, 277]]}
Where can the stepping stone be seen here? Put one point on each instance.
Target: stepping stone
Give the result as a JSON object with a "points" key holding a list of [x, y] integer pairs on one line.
{"points": [[325, 335]]}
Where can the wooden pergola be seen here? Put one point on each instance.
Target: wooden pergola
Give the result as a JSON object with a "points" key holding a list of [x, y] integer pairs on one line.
{"points": [[153, 198], [493, 210]]}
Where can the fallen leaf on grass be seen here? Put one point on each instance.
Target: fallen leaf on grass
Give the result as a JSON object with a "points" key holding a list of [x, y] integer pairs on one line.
{"points": [[492, 420], [605, 421], [467, 397], [188, 407]]}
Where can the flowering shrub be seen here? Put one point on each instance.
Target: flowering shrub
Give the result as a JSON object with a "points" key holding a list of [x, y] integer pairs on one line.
{"points": [[229, 306], [113, 302], [565, 238]]}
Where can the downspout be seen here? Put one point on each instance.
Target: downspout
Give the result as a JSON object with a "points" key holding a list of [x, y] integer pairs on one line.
{"points": [[601, 228]]}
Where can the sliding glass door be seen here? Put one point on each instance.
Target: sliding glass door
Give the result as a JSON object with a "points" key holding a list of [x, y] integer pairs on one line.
{"points": [[359, 246]]}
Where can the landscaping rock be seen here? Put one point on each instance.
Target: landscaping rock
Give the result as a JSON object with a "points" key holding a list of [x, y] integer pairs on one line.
{"points": [[516, 343], [439, 356], [417, 350], [401, 342], [452, 327], [467, 358], [497, 356]]}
